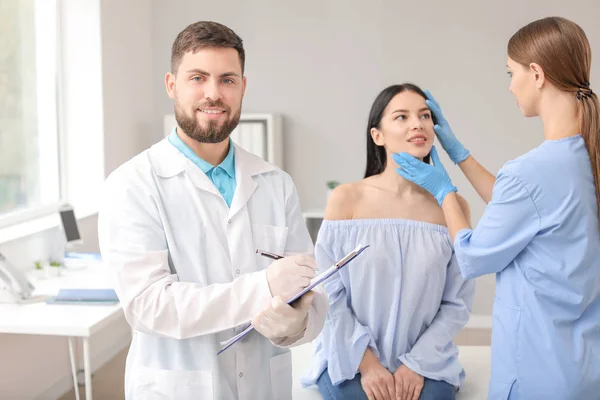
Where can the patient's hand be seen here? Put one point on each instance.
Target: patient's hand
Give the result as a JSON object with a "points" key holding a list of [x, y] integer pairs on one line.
{"points": [[408, 383], [376, 380]]}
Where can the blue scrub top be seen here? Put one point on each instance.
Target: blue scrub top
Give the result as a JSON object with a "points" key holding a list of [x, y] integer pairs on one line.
{"points": [[540, 235]]}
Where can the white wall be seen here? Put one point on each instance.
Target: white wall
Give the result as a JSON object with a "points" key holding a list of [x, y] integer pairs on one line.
{"points": [[36, 367], [129, 86], [321, 64]]}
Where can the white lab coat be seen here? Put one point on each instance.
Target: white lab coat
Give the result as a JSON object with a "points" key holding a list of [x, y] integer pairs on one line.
{"points": [[188, 277]]}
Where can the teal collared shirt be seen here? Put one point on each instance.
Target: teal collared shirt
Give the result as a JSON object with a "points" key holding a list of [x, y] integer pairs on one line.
{"points": [[222, 176]]}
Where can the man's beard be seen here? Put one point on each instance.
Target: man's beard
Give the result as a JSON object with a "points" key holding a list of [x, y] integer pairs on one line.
{"points": [[212, 133]]}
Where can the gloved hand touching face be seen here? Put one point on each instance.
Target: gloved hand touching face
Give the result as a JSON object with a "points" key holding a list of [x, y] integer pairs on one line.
{"points": [[432, 178], [456, 151]]}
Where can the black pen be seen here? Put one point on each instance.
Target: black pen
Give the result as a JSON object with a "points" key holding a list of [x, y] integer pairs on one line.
{"points": [[268, 254]]}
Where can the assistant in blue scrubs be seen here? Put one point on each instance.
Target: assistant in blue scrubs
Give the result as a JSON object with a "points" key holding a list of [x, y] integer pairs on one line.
{"points": [[540, 230]]}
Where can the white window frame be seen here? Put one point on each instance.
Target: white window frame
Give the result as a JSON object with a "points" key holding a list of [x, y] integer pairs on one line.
{"points": [[47, 47]]}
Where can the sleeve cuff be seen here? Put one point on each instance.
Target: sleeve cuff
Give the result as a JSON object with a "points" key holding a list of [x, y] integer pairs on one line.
{"points": [[465, 268], [264, 288], [345, 370], [289, 341]]}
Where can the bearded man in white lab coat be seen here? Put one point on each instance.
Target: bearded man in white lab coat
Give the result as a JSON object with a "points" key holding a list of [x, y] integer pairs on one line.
{"points": [[180, 223]]}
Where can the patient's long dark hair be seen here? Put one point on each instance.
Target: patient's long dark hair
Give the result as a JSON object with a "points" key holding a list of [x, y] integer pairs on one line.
{"points": [[376, 157]]}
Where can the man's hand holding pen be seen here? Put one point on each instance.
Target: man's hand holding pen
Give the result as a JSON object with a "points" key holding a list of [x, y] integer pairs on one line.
{"points": [[289, 275]]}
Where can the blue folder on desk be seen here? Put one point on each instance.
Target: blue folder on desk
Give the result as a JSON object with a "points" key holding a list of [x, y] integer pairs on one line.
{"points": [[84, 256], [85, 296]]}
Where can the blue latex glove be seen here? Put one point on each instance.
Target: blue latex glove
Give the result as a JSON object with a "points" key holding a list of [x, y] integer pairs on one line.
{"points": [[432, 178], [456, 151]]}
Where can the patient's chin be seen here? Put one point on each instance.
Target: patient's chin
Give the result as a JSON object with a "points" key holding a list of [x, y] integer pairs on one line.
{"points": [[417, 153], [420, 153]]}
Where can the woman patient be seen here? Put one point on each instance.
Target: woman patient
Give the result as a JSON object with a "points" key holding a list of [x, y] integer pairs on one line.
{"points": [[395, 310]]}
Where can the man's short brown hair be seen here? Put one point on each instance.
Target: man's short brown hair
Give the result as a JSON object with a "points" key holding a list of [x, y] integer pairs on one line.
{"points": [[205, 34]]}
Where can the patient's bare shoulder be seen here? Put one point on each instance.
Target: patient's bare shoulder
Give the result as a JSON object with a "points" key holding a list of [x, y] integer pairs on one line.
{"points": [[464, 205], [342, 201]]}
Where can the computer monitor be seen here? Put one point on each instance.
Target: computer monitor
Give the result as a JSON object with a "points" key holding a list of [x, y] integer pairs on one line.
{"points": [[69, 225]]}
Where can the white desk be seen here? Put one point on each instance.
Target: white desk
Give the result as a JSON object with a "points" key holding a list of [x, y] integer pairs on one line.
{"points": [[74, 321]]}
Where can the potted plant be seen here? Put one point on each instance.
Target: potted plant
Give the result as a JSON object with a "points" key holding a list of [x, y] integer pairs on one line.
{"points": [[330, 186], [54, 268], [38, 270]]}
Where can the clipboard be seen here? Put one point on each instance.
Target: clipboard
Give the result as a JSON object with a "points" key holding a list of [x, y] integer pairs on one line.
{"points": [[317, 280]]}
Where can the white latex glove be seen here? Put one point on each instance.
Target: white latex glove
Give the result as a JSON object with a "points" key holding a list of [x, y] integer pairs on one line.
{"points": [[289, 275], [280, 320]]}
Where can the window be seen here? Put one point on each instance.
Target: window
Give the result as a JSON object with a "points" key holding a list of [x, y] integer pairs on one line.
{"points": [[29, 157]]}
